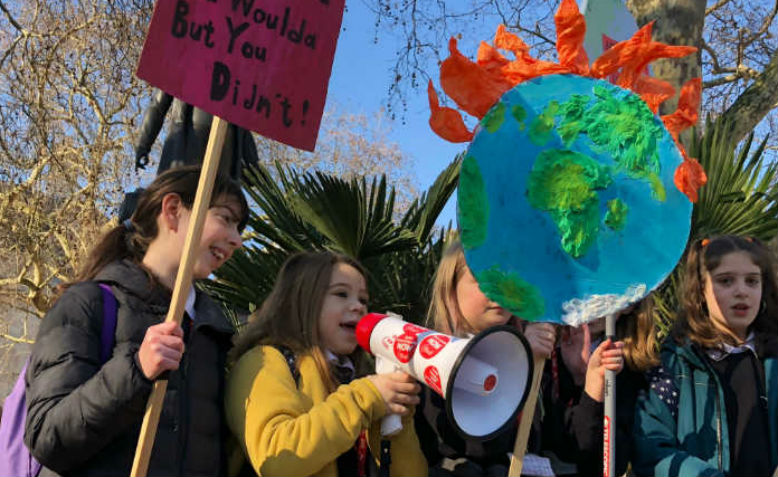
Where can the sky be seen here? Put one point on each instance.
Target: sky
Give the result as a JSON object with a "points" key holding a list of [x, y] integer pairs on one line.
{"points": [[361, 76]]}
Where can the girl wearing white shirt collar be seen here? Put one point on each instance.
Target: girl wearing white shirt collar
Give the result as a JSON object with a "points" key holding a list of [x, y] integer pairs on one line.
{"points": [[291, 409], [713, 404]]}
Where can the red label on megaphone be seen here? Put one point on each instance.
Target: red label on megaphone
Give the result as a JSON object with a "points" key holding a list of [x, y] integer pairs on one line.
{"points": [[432, 378], [387, 342], [404, 345], [412, 329], [431, 345], [489, 371]]}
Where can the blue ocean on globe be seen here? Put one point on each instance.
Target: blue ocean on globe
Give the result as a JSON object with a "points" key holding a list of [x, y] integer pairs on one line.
{"points": [[566, 204]]}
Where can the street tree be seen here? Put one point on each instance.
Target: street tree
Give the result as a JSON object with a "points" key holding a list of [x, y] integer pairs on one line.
{"points": [[70, 114], [737, 56], [68, 105]]}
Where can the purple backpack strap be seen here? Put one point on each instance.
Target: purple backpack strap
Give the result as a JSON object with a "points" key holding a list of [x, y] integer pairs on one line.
{"points": [[109, 323], [15, 459]]}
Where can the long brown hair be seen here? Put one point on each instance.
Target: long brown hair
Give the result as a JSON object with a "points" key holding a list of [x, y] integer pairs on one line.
{"points": [[443, 314], [705, 256], [639, 334], [290, 314], [131, 240]]}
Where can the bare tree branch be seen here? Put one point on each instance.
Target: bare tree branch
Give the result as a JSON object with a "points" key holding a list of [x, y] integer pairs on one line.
{"points": [[67, 115], [768, 20], [16, 339], [12, 20], [716, 6], [754, 103]]}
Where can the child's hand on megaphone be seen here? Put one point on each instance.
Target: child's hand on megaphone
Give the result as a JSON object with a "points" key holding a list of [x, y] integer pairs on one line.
{"points": [[398, 389]]}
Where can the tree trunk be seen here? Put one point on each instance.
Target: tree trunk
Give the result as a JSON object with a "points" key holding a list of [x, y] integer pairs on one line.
{"points": [[678, 22], [755, 102]]}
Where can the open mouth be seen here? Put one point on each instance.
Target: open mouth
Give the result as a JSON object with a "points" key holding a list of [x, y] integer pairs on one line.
{"points": [[350, 326], [218, 253]]}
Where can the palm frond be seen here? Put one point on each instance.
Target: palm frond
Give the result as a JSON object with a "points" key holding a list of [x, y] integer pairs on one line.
{"points": [[296, 211], [740, 198], [424, 211], [354, 218]]}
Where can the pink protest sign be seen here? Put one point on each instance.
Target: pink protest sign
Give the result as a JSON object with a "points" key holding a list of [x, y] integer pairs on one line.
{"points": [[264, 66]]}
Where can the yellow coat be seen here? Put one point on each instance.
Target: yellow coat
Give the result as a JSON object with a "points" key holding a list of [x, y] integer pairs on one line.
{"points": [[288, 431]]}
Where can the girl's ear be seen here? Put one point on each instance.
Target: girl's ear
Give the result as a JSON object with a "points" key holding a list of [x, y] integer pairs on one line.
{"points": [[171, 211]]}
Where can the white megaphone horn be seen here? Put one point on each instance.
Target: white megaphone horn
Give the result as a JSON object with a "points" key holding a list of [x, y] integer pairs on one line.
{"points": [[484, 379]]}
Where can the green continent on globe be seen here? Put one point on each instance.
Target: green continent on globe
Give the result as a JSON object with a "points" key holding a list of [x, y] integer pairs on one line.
{"points": [[572, 114], [519, 114], [616, 216], [621, 124], [657, 188], [564, 184], [513, 293], [473, 204], [541, 128], [494, 118]]}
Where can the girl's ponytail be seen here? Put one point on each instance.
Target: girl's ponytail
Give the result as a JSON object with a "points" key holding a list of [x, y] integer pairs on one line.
{"points": [[131, 239], [115, 245]]}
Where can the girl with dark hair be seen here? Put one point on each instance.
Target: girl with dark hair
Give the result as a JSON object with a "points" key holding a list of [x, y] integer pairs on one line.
{"points": [[712, 408], [84, 416], [296, 398]]}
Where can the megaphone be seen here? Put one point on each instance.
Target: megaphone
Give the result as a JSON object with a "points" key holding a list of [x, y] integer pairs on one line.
{"points": [[484, 379]]}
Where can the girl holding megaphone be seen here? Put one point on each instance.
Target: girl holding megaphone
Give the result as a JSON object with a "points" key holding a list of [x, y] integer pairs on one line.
{"points": [[297, 398], [458, 307]]}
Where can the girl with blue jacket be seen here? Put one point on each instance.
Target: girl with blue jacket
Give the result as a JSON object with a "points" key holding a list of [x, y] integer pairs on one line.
{"points": [[712, 407]]}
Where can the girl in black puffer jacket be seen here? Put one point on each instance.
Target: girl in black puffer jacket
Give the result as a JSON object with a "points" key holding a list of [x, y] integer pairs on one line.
{"points": [[84, 417]]}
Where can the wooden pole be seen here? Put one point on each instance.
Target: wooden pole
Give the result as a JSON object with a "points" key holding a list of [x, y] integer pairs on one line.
{"points": [[525, 424], [148, 431]]}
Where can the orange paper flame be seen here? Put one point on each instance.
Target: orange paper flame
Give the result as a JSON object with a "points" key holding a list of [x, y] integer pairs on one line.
{"points": [[446, 122], [476, 86], [689, 177], [570, 30]]}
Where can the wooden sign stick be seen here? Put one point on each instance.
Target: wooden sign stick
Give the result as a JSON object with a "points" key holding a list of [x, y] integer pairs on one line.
{"points": [[148, 431], [525, 424]]}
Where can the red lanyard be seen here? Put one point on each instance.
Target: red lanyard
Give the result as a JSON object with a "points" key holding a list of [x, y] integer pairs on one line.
{"points": [[361, 446]]}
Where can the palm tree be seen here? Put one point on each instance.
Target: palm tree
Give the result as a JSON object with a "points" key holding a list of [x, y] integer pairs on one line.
{"points": [[740, 198], [297, 211]]}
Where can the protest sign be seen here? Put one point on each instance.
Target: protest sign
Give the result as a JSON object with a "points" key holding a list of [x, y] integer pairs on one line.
{"points": [[264, 66]]}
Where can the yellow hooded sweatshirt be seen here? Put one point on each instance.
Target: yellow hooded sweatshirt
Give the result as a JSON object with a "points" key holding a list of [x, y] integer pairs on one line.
{"points": [[287, 430]]}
